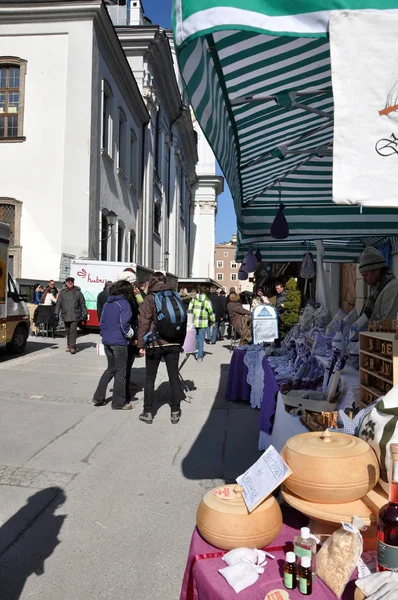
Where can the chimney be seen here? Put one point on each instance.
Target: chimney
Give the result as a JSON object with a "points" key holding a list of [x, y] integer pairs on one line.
{"points": [[136, 12], [233, 241]]}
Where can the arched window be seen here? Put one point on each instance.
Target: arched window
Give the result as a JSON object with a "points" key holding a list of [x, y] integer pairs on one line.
{"points": [[107, 123], [132, 238], [104, 235], [12, 95], [157, 215], [11, 212]]}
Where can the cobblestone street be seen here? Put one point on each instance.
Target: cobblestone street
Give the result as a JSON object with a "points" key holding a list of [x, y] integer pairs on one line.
{"points": [[93, 503]]}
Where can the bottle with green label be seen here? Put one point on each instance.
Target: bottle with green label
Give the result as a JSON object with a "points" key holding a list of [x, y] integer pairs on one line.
{"points": [[387, 524], [305, 576], [305, 545], [290, 571]]}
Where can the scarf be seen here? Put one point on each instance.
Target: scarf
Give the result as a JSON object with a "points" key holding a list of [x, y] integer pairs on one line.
{"points": [[375, 292]]}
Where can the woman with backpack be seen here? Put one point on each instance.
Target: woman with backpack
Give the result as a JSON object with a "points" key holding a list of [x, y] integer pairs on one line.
{"points": [[117, 334], [152, 343]]}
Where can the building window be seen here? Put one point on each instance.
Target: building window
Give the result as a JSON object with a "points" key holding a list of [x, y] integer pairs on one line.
{"points": [[157, 145], [11, 213], [121, 161], [134, 159], [157, 215], [234, 265], [12, 91], [104, 235], [225, 253], [107, 123], [120, 241], [233, 276], [220, 276], [132, 246], [220, 264]]}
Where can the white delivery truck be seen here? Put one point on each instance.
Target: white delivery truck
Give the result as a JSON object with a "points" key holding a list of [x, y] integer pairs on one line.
{"points": [[14, 314]]}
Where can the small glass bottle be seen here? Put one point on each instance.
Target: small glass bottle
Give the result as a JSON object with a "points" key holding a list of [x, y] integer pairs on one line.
{"points": [[387, 524], [305, 576], [290, 572], [304, 545]]}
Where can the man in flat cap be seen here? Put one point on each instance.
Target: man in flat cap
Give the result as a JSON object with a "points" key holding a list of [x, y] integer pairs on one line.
{"points": [[382, 301]]}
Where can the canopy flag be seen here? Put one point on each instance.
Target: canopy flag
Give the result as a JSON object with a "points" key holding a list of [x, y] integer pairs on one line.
{"points": [[259, 81], [364, 50]]}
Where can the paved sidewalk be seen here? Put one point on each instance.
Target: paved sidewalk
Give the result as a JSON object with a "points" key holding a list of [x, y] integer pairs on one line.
{"points": [[94, 503]]}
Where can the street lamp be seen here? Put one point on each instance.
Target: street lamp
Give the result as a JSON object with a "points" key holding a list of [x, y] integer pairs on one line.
{"points": [[110, 217], [166, 261]]}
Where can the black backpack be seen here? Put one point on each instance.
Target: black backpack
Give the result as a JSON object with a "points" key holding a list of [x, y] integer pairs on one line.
{"points": [[171, 318]]}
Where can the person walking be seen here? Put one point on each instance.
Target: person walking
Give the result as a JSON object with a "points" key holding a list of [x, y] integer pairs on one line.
{"points": [[116, 333], [72, 307], [154, 348], [102, 298], [236, 313], [216, 303], [203, 316], [224, 314]]}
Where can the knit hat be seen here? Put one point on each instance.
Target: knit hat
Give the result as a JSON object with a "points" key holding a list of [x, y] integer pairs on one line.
{"points": [[371, 259], [127, 276]]}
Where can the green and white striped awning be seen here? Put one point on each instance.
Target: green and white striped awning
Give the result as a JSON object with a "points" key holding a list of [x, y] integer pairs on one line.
{"points": [[259, 81]]}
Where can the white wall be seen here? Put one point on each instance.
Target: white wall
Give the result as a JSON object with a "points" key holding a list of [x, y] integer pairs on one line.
{"points": [[49, 172]]}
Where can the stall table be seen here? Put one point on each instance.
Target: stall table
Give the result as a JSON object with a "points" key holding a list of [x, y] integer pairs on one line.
{"points": [[202, 581]]}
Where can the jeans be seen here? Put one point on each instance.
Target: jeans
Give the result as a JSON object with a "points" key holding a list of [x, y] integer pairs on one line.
{"points": [[117, 370], [71, 333], [200, 340], [153, 357], [214, 332], [222, 329]]}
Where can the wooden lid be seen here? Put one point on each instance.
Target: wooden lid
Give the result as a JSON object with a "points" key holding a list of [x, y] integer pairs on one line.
{"points": [[327, 444], [228, 499]]}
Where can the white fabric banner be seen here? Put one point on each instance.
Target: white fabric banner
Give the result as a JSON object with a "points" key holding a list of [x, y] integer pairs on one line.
{"points": [[364, 56]]}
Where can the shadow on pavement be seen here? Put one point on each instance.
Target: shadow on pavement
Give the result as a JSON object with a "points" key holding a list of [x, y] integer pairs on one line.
{"points": [[31, 347], [227, 444], [23, 554]]}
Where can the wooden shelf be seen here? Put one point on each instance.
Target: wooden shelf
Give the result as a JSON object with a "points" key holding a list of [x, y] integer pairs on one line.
{"points": [[380, 335], [375, 374], [377, 355], [373, 390]]}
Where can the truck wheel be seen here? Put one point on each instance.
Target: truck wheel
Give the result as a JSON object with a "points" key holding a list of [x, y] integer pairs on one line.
{"points": [[18, 342]]}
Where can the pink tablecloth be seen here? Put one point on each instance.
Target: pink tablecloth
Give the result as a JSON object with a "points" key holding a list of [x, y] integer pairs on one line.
{"points": [[202, 581]]}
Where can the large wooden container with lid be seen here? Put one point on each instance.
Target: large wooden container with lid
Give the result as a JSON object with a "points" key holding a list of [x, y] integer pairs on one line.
{"points": [[330, 467], [224, 521]]}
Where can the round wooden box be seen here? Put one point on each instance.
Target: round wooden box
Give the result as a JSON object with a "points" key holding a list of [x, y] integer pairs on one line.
{"points": [[330, 468], [224, 521]]}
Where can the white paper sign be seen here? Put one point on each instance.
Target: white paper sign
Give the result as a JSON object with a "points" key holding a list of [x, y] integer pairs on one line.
{"points": [[364, 50], [262, 478]]}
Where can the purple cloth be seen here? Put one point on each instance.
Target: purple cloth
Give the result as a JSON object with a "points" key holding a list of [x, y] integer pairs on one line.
{"points": [[237, 386], [208, 584], [268, 402]]}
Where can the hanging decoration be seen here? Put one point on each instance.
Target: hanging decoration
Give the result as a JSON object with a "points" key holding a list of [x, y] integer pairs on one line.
{"points": [[307, 269], [280, 228], [249, 262], [242, 274], [258, 256]]}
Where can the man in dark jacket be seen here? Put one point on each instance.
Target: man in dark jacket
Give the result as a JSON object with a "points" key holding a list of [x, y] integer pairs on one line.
{"points": [[102, 298], [224, 314], [216, 302], [72, 307], [280, 296]]}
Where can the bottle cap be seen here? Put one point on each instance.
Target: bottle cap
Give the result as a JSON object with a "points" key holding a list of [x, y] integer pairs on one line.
{"points": [[290, 557], [306, 562], [305, 532], [394, 449]]}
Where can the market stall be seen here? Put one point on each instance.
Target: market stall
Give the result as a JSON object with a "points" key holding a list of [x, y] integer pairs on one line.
{"points": [[259, 80]]}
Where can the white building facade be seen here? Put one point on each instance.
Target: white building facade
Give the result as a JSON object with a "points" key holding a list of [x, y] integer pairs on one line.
{"points": [[97, 148]]}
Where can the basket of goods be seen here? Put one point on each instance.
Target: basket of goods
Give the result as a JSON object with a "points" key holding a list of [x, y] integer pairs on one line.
{"points": [[224, 521]]}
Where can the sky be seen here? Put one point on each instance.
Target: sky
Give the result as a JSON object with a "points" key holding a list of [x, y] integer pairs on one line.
{"points": [[159, 11]]}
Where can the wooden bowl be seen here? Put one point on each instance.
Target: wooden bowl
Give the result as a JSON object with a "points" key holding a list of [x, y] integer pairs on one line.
{"points": [[330, 468], [224, 521]]}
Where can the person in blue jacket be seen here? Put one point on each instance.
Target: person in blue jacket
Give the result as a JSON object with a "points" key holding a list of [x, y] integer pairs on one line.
{"points": [[116, 333]]}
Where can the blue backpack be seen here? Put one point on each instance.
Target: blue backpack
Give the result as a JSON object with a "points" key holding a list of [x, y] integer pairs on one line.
{"points": [[171, 319]]}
